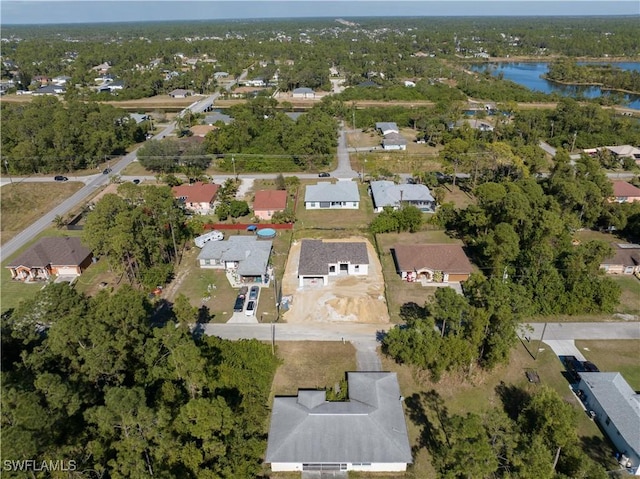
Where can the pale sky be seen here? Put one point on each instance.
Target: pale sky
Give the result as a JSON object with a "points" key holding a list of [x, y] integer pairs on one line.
{"points": [[84, 11]]}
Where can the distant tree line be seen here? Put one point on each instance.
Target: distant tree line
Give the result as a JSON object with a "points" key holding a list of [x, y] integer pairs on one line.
{"points": [[46, 136], [607, 76]]}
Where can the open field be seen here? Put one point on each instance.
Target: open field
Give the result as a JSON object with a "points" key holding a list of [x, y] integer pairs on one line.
{"points": [[621, 355], [379, 162], [23, 203], [400, 292], [453, 194]]}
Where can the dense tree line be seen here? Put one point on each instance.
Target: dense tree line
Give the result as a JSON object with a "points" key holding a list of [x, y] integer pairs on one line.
{"points": [[533, 436], [140, 233], [259, 129], [45, 136], [91, 381], [171, 155], [608, 76]]}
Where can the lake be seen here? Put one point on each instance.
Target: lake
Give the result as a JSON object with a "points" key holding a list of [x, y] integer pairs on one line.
{"points": [[530, 75]]}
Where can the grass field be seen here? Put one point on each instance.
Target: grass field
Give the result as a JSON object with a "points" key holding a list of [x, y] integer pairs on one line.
{"points": [[23, 203], [620, 355], [630, 297]]}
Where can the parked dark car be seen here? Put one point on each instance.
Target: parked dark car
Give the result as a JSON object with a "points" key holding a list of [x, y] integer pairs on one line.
{"points": [[573, 366], [590, 367], [61, 178], [324, 175], [239, 305], [253, 293], [106, 171]]}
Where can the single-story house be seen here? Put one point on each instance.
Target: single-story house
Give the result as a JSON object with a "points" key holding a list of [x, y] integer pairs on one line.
{"points": [[368, 84], [394, 141], [61, 80], [616, 408], [267, 202], [624, 192], [219, 75], [386, 127], [624, 151], [327, 195], [625, 259], [433, 263], [62, 256], [197, 197], [255, 82], [366, 433], [303, 92], [102, 68], [476, 124], [139, 117], [50, 90], [180, 93], [320, 259], [246, 92], [386, 193], [245, 256], [215, 117]]}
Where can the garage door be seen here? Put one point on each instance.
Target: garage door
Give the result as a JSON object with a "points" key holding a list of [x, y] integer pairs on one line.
{"points": [[69, 270]]}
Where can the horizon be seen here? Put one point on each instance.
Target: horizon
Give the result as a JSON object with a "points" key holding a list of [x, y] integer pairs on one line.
{"points": [[67, 12]]}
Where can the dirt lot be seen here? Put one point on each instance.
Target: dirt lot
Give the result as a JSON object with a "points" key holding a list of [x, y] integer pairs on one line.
{"points": [[347, 298]]}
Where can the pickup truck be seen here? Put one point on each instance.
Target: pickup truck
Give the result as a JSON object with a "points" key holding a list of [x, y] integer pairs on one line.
{"points": [[239, 305]]}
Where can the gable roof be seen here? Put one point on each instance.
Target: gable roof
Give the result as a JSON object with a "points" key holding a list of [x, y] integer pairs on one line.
{"points": [[448, 258], [387, 193], [624, 189], [270, 200], [315, 255], [625, 254], [197, 192], [327, 191], [387, 127], [251, 254], [368, 428], [624, 150], [303, 90], [58, 251], [619, 401], [393, 138]]}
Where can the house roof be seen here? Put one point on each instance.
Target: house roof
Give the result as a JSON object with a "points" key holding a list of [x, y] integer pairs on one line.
{"points": [[294, 115], [251, 254], [387, 193], [270, 200], [216, 117], [58, 251], [625, 254], [393, 138], [368, 428], [197, 192], [179, 92], [619, 401], [448, 258], [386, 127], [624, 189], [327, 191], [624, 150], [139, 117], [303, 90], [315, 255]]}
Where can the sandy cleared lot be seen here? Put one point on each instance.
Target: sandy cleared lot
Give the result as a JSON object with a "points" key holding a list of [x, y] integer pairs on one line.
{"points": [[345, 298]]}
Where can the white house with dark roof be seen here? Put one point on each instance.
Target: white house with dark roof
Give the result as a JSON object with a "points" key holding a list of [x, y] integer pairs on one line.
{"points": [[387, 194], [617, 410], [245, 256], [394, 141], [326, 195], [366, 433], [320, 259]]}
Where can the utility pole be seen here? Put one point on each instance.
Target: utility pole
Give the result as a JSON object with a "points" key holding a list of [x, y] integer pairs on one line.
{"points": [[6, 165], [573, 143], [233, 162]]}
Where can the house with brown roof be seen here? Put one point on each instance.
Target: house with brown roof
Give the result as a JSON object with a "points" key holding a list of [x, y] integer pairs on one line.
{"points": [[624, 192], [197, 197], [267, 202], [320, 259], [432, 263], [625, 259], [59, 256]]}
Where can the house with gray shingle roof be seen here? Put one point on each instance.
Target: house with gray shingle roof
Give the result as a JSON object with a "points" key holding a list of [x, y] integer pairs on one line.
{"points": [[246, 256], [386, 127], [327, 195], [368, 432], [616, 408], [303, 92], [387, 194], [320, 259]]}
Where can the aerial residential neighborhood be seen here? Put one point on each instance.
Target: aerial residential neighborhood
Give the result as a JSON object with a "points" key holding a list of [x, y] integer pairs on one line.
{"points": [[400, 246]]}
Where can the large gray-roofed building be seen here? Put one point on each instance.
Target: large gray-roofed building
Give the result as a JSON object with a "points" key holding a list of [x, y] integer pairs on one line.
{"points": [[617, 409], [319, 260], [387, 193], [247, 255], [386, 127], [327, 195], [366, 433]]}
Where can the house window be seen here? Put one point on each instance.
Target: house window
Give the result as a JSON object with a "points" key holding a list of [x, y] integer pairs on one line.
{"points": [[312, 204], [355, 204], [325, 204], [356, 268], [332, 269]]}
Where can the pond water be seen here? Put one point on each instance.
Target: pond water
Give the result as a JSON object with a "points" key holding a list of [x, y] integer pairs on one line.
{"points": [[530, 75]]}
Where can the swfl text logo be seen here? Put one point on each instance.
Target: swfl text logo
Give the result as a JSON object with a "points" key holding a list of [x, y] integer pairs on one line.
{"points": [[33, 465]]}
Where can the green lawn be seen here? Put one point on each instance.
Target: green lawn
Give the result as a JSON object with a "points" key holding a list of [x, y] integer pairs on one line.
{"points": [[621, 355], [630, 297]]}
